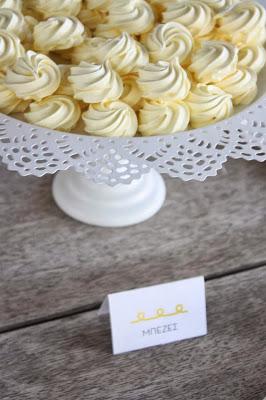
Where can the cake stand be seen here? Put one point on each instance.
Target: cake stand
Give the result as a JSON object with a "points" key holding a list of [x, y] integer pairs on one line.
{"points": [[117, 182]]}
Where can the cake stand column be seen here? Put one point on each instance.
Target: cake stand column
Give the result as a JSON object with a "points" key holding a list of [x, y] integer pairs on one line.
{"points": [[106, 206]]}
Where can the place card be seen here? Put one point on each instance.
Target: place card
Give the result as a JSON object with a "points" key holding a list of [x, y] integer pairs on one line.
{"points": [[156, 315]]}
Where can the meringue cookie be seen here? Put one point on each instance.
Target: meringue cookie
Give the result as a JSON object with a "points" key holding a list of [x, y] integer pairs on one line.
{"points": [[163, 118], [9, 103], [252, 57], [65, 87], [58, 33], [13, 21], [242, 85], [169, 41], [135, 17], [131, 94], [245, 23], [124, 52], [110, 119], [95, 83], [34, 76], [213, 61], [193, 14], [54, 112], [10, 49], [208, 104], [13, 4], [53, 8], [164, 80]]}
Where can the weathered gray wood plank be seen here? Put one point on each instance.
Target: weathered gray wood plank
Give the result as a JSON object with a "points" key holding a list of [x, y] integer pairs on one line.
{"points": [[49, 263], [71, 358]]}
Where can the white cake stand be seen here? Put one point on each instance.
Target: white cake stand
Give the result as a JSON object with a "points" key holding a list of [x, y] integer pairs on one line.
{"points": [[116, 182]]}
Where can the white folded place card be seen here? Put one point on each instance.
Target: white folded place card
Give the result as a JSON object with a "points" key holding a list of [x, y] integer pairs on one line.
{"points": [[157, 315]]}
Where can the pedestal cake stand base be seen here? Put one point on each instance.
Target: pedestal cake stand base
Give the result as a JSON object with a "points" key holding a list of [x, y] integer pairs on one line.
{"points": [[102, 205]]}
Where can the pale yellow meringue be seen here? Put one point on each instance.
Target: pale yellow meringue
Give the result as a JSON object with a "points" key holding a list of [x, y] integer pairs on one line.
{"points": [[125, 53], [52, 8], [169, 41], [95, 83], [164, 80], [241, 85], [208, 104], [131, 93], [13, 21], [213, 61], [33, 76], [252, 57], [58, 33], [13, 4], [65, 87], [10, 49], [9, 103], [134, 17], [163, 118], [54, 112], [193, 14], [110, 119], [245, 23]]}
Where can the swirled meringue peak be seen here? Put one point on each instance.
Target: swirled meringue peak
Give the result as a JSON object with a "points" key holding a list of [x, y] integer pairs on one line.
{"points": [[95, 83], [9, 103], [169, 41], [220, 5], [131, 94], [52, 8], [34, 76], [213, 61], [245, 23], [164, 80], [54, 112], [13, 21], [242, 85], [13, 4], [193, 14], [10, 49], [110, 119], [208, 104], [252, 57], [134, 17], [58, 33], [125, 53], [163, 118]]}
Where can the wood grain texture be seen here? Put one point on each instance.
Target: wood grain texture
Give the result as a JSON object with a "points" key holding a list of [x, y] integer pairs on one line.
{"points": [[71, 358], [50, 263]]}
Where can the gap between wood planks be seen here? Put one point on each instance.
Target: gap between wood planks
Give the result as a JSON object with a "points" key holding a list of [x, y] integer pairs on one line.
{"points": [[83, 309]]}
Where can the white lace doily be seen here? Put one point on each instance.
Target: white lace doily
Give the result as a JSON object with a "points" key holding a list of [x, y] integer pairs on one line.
{"points": [[195, 154]]}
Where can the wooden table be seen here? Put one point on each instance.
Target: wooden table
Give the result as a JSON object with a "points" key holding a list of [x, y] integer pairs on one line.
{"points": [[55, 272]]}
